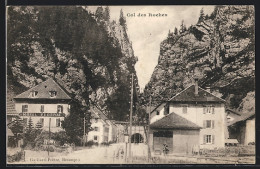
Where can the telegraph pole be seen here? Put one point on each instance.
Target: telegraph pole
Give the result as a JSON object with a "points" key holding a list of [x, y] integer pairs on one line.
{"points": [[84, 127], [131, 114], [148, 132], [49, 136]]}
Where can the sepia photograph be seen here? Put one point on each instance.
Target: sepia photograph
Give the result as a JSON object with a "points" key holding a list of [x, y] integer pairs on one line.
{"points": [[161, 84]]}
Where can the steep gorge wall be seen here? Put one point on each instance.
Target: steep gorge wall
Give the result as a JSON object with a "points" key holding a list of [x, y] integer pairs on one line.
{"points": [[219, 50]]}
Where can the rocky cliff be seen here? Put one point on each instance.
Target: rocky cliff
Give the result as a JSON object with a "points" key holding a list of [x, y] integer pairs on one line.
{"points": [[219, 50], [88, 55]]}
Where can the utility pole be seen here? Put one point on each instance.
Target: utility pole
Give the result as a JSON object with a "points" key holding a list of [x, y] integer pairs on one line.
{"points": [[49, 136], [84, 127], [148, 131], [131, 114]]}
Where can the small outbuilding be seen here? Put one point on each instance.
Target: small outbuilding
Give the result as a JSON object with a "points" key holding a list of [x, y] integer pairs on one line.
{"points": [[179, 134]]}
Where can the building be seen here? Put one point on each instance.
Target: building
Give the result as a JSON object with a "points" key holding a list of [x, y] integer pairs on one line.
{"points": [[104, 130], [193, 117], [44, 105], [242, 128]]}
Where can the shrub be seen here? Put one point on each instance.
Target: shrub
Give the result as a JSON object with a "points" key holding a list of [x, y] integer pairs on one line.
{"points": [[16, 157], [105, 144], [89, 143]]}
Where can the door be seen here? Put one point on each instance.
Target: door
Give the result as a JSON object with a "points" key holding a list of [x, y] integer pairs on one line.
{"points": [[162, 137]]}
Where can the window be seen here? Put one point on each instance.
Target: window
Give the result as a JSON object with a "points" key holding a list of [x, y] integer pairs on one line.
{"points": [[96, 138], [95, 128], [209, 139], [58, 122], [34, 93], [184, 109], [96, 120], [24, 108], [208, 124], [53, 93], [157, 112], [208, 109], [59, 109], [42, 108]]}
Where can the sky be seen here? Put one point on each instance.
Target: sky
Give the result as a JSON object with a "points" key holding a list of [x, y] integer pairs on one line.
{"points": [[146, 33]]}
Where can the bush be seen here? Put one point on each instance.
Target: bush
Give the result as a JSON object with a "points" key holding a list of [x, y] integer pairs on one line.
{"points": [[251, 143], [105, 144], [16, 157], [89, 143]]}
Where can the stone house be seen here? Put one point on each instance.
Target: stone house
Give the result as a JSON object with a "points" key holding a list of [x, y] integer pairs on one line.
{"points": [[44, 105], [193, 117]]}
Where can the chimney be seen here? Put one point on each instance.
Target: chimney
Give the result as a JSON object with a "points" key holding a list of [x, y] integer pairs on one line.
{"points": [[196, 86]]}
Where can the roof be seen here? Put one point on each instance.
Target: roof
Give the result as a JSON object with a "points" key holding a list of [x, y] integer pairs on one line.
{"points": [[241, 118], [188, 95], [233, 111], [174, 121], [97, 113], [43, 90], [233, 141]]}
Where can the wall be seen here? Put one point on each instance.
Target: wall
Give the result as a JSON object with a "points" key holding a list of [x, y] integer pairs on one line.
{"points": [[48, 108], [184, 140], [100, 133], [195, 114], [155, 117], [250, 131]]}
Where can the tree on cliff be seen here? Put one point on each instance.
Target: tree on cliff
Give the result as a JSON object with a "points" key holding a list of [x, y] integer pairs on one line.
{"points": [[99, 13], [175, 31], [202, 15], [106, 14], [122, 20]]}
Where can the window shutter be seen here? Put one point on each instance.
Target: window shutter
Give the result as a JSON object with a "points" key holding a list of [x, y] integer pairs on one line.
{"points": [[213, 123], [204, 110], [61, 108], [204, 124], [22, 108], [213, 139], [213, 109], [58, 109], [204, 139]]}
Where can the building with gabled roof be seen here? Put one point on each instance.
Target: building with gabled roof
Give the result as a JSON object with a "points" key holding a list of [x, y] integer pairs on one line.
{"points": [[104, 130], [242, 128], [44, 105], [192, 118]]}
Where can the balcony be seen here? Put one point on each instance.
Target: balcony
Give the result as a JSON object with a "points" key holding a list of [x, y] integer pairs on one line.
{"points": [[39, 114]]}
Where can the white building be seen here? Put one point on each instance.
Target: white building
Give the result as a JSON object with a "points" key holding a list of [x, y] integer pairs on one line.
{"points": [[47, 103], [193, 117], [104, 130]]}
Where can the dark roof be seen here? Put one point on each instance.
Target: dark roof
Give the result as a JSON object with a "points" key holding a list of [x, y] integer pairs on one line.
{"points": [[43, 91], [174, 121], [241, 118], [233, 111], [188, 95]]}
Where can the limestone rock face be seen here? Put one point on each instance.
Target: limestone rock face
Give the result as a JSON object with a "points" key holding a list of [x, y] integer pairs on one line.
{"points": [[91, 58], [218, 50]]}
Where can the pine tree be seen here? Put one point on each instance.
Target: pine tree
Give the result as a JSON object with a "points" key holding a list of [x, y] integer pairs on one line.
{"points": [[99, 13], [182, 27], [122, 20], [30, 123], [106, 14], [175, 31], [202, 15]]}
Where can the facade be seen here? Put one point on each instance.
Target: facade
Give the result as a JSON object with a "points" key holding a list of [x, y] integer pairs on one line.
{"points": [[242, 128], [200, 120], [104, 130], [44, 105]]}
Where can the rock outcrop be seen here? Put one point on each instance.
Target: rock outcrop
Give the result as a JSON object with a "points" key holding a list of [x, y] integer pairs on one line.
{"points": [[219, 50]]}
